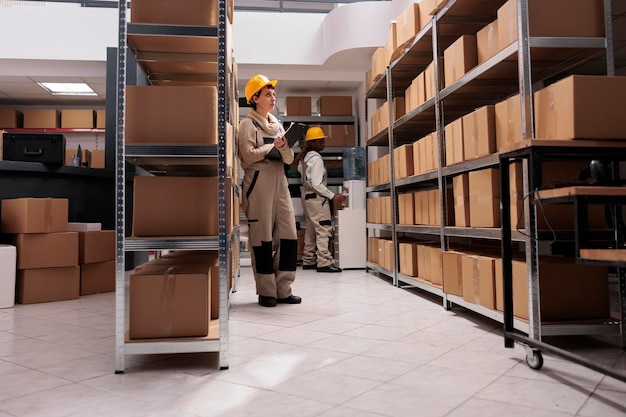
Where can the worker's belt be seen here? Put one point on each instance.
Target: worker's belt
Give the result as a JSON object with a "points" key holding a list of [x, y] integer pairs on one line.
{"points": [[310, 196]]}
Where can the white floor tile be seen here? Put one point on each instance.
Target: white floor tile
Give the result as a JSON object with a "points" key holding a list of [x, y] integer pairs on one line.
{"points": [[357, 346]]}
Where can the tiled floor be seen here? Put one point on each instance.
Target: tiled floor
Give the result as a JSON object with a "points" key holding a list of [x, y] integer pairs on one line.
{"points": [[355, 347]]}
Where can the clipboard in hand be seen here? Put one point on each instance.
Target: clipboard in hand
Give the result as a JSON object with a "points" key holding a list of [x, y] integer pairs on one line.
{"points": [[274, 154], [295, 133]]}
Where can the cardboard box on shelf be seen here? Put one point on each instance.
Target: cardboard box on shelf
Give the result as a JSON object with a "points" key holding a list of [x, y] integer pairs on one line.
{"points": [[78, 118], [100, 119], [403, 161], [459, 58], [181, 12], [83, 227], [97, 277], [11, 118], [484, 197], [460, 187], [567, 291], [169, 301], [407, 24], [97, 158], [298, 106], [407, 254], [452, 267], [188, 203], [454, 142], [334, 105], [479, 280], [487, 44], [585, 18], [479, 133], [581, 107], [154, 115], [43, 285], [46, 250], [34, 215], [42, 118]]}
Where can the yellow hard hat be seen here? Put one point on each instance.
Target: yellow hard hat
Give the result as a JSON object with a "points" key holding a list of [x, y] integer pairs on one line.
{"points": [[255, 84], [315, 133]]}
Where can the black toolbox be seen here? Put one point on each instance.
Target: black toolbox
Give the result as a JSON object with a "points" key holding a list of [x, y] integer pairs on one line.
{"points": [[48, 148]]}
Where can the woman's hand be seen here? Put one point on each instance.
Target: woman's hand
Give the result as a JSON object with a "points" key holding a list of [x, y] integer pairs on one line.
{"points": [[280, 141]]}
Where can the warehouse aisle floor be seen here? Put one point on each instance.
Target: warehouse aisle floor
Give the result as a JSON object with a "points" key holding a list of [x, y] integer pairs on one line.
{"points": [[355, 347]]}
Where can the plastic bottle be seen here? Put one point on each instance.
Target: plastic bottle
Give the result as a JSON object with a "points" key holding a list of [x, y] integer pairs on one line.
{"points": [[354, 163]]}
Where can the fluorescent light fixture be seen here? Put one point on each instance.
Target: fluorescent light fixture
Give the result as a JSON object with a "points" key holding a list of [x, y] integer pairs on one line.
{"points": [[68, 89]]}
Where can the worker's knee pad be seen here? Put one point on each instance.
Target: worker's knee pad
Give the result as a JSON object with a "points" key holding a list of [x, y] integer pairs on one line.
{"points": [[263, 258], [288, 255]]}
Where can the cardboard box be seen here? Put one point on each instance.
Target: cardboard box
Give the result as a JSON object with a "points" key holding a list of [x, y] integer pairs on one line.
{"points": [[83, 227], [479, 133], [406, 208], [460, 187], [335, 106], [298, 106], [169, 301], [100, 119], [340, 135], [429, 8], [585, 18], [567, 291], [459, 58], [46, 250], [96, 246], [42, 118], [34, 215], [171, 115], [97, 158], [97, 277], [407, 252], [479, 280], [454, 142], [581, 107], [187, 204], [484, 198], [436, 265], [508, 115], [407, 24], [11, 118], [181, 12], [487, 44], [424, 262], [78, 118], [452, 267], [403, 161], [43, 285]]}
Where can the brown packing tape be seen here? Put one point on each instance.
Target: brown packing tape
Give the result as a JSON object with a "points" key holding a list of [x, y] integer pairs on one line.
{"points": [[476, 280], [167, 300]]}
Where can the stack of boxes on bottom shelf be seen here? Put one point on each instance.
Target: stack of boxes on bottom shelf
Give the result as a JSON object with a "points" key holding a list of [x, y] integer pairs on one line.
{"points": [[50, 257]]}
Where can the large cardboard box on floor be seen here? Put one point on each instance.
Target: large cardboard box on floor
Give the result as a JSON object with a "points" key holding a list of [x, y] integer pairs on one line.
{"points": [[42, 118], [581, 107], [181, 12], [97, 277], [188, 204], [34, 215], [585, 18], [169, 301], [78, 118], [171, 115], [11, 118], [42, 285], [46, 250], [96, 246]]}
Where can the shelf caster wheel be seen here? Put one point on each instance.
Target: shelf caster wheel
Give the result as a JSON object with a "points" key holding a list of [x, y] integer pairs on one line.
{"points": [[534, 358]]}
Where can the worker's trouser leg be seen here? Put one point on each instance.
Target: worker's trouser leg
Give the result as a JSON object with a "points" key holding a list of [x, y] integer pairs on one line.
{"points": [[319, 215], [271, 232]]}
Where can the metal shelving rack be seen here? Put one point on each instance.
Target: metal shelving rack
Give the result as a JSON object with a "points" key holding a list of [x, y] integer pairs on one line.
{"points": [[180, 160], [456, 18]]}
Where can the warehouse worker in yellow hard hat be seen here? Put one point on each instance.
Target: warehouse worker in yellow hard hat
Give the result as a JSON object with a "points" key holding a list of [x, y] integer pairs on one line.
{"points": [[263, 150], [318, 202]]}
